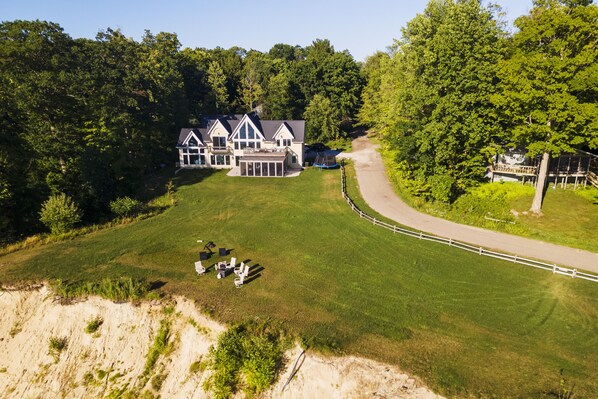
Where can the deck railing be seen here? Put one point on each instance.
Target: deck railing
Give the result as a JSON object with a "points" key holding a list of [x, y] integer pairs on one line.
{"points": [[574, 273], [514, 169], [592, 178]]}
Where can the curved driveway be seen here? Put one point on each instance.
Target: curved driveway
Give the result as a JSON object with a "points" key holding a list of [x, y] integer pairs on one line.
{"points": [[380, 196]]}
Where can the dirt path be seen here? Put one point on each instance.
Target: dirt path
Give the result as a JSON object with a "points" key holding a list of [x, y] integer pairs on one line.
{"points": [[379, 194]]}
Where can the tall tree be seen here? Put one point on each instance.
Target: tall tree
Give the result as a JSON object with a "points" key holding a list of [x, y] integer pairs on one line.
{"points": [[446, 74], [373, 100], [321, 120], [550, 83], [217, 82]]}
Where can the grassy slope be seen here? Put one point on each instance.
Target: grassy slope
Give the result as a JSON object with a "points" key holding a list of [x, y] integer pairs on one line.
{"points": [[569, 217], [466, 325]]}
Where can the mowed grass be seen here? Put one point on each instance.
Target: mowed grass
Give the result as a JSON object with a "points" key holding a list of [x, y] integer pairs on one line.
{"points": [[468, 326]]}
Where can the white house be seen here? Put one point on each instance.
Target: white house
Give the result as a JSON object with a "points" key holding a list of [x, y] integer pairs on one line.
{"points": [[258, 147]]}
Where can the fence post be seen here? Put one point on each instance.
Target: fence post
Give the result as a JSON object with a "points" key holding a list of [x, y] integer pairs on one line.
{"points": [[515, 259], [574, 273], [450, 242], [394, 229], [481, 250], [374, 221], [553, 269], [420, 235]]}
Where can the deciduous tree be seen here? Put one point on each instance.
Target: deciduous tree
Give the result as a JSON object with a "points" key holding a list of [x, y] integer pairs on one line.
{"points": [[550, 83]]}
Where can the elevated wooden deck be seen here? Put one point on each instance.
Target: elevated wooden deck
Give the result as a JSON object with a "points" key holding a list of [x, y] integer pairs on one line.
{"points": [[518, 170]]}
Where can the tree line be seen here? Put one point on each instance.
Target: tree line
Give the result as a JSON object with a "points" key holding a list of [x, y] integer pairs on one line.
{"points": [[458, 88], [91, 119]]}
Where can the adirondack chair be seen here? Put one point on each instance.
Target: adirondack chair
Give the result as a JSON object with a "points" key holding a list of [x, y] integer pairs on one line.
{"points": [[232, 263], [239, 281], [199, 268], [239, 269], [246, 271]]}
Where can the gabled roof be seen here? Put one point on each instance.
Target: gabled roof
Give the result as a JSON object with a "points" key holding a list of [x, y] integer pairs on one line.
{"points": [[268, 128], [200, 133], [296, 127]]}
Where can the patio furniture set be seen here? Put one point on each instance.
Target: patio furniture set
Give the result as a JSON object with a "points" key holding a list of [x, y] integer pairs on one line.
{"points": [[223, 268]]}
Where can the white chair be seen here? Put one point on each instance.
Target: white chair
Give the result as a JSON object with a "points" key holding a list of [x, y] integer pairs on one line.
{"points": [[199, 268], [232, 263], [238, 270], [239, 281], [246, 271]]}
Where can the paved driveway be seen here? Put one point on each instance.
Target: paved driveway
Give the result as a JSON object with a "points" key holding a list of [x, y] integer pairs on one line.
{"points": [[380, 196]]}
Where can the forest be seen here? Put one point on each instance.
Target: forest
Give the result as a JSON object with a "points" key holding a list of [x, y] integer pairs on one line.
{"points": [[90, 120], [459, 88]]}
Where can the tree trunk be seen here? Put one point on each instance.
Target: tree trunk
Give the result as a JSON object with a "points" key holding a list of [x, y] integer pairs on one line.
{"points": [[541, 184]]}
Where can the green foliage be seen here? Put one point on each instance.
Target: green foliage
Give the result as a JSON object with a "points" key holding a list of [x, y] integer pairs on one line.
{"points": [[158, 347], [95, 117], [157, 381], [430, 98], [217, 80], [56, 345], [548, 85], [125, 206], [251, 353], [322, 120], [60, 214], [117, 289], [198, 366], [94, 325]]}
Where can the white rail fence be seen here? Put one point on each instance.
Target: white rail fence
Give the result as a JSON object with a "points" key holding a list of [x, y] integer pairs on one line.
{"points": [[461, 245]]}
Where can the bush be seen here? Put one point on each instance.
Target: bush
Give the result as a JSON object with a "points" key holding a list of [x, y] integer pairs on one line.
{"points": [[253, 351], [93, 325], [117, 289], [125, 206], [59, 213], [55, 347]]}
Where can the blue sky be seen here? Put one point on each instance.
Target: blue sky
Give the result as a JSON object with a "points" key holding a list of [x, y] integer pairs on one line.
{"points": [[362, 27]]}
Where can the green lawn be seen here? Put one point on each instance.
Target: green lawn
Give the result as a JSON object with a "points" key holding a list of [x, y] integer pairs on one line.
{"points": [[466, 325], [569, 216]]}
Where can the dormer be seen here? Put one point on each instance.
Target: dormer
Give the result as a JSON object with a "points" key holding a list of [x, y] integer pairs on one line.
{"points": [[191, 138], [218, 134], [284, 136]]}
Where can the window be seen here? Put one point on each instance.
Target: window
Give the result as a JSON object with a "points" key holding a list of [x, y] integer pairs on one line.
{"points": [[219, 142], [278, 143], [192, 142], [286, 142], [237, 160], [247, 137], [191, 155], [294, 159]]}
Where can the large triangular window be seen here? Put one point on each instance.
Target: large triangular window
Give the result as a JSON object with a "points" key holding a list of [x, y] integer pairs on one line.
{"points": [[247, 137]]}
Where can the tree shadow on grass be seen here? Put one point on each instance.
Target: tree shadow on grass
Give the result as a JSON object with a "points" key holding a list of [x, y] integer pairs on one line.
{"points": [[156, 185]]}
